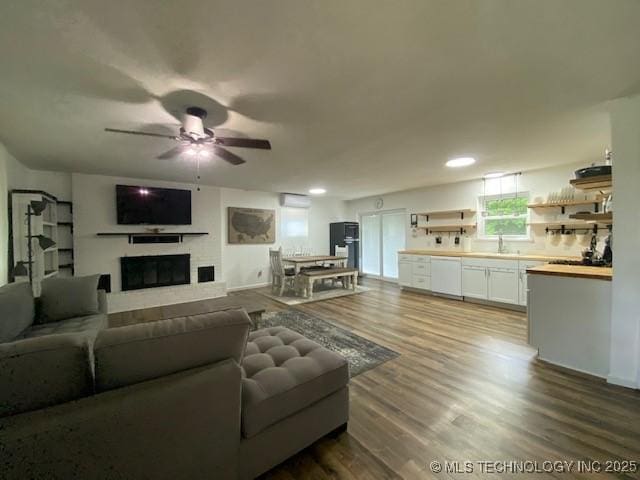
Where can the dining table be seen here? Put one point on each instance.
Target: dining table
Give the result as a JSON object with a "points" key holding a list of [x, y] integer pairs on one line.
{"points": [[306, 260]]}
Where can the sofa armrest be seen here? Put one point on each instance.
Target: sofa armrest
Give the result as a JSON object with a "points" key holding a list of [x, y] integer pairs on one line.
{"points": [[185, 425], [103, 306], [42, 371]]}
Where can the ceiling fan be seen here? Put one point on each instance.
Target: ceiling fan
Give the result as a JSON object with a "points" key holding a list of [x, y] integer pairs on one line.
{"points": [[196, 140]]}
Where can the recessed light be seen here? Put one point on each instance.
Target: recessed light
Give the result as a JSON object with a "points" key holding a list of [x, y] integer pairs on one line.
{"points": [[494, 175], [317, 191], [460, 162]]}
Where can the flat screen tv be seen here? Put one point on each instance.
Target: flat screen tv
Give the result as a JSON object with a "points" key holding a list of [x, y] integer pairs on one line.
{"points": [[152, 206]]}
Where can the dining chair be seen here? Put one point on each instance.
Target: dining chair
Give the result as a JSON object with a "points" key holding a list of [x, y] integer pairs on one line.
{"points": [[281, 277]]}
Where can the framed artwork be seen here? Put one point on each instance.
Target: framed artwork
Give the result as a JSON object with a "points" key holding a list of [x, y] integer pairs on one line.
{"points": [[251, 225]]}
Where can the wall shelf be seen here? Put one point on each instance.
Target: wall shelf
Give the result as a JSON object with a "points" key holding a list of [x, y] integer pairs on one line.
{"points": [[461, 229], [569, 203], [447, 213], [164, 237], [598, 183], [606, 218], [566, 227]]}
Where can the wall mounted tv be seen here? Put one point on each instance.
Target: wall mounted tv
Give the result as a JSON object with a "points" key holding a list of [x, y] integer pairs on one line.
{"points": [[152, 206]]}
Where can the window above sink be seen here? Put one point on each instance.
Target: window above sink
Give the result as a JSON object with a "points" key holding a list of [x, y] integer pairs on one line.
{"points": [[505, 215]]}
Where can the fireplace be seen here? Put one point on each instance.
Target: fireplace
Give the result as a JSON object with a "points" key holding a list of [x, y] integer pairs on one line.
{"points": [[154, 271]]}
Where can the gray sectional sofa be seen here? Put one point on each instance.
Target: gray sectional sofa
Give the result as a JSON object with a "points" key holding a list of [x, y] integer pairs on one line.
{"points": [[184, 398]]}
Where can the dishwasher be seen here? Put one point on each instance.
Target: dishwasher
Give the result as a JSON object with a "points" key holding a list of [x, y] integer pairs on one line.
{"points": [[446, 275]]}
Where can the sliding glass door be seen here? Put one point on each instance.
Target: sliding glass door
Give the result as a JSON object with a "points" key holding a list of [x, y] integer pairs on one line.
{"points": [[382, 234]]}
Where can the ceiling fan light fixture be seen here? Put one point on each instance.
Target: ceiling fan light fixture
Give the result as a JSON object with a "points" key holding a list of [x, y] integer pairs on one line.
{"points": [[190, 151], [193, 126]]}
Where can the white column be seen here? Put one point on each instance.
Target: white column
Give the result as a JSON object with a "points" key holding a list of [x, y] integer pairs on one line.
{"points": [[624, 368]]}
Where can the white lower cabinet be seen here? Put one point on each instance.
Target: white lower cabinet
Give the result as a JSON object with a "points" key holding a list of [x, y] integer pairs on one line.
{"points": [[414, 271], [503, 285], [474, 281], [496, 280], [422, 282], [522, 280], [405, 273]]}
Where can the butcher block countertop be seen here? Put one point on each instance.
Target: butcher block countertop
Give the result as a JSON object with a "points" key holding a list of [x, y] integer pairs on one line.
{"points": [[502, 256], [576, 271]]}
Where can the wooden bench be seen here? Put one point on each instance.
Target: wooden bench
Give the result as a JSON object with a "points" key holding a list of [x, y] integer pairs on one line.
{"points": [[349, 278]]}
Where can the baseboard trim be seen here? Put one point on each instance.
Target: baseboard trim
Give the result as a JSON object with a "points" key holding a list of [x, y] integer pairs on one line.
{"points": [[248, 287], [622, 382]]}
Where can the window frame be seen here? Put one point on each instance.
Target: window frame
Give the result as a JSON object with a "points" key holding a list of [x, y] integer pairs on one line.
{"points": [[482, 201]]}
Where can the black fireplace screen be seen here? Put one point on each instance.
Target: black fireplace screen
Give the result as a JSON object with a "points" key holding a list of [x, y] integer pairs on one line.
{"points": [[154, 271]]}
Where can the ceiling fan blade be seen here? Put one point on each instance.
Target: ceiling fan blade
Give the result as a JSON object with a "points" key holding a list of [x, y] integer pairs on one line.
{"points": [[132, 132], [225, 154], [174, 152], [243, 142]]}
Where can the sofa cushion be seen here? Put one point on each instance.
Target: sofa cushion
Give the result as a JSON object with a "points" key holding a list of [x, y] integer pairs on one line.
{"points": [[63, 298], [135, 353], [89, 325], [43, 371], [16, 310], [284, 372]]}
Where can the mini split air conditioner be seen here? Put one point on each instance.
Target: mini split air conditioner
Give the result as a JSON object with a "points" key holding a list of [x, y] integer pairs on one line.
{"points": [[293, 200]]}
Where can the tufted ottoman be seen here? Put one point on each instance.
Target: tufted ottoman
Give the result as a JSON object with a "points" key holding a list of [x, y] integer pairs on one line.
{"points": [[294, 391]]}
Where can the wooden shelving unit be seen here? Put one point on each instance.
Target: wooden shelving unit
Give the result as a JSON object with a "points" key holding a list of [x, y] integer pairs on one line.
{"points": [[606, 218], [458, 228], [461, 229], [601, 183], [25, 228], [570, 203], [447, 213]]}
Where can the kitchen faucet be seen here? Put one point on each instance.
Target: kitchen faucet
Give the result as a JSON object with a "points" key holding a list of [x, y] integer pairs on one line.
{"points": [[501, 248]]}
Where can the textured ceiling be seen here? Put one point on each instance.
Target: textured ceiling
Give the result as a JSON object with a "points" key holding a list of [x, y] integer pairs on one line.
{"points": [[359, 96]]}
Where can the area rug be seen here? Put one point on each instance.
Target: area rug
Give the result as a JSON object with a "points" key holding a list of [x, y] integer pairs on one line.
{"points": [[320, 292], [362, 354]]}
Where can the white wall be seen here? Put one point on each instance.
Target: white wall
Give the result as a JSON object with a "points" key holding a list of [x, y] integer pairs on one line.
{"points": [[539, 183], [625, 314], [248, 265], [94, 202], [5, 160]]}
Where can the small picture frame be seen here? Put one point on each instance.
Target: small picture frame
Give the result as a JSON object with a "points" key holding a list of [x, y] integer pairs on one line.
{"points": [[414, 220]]}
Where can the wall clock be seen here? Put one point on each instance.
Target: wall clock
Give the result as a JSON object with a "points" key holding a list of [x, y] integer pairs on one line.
{"points": [[379, 203]]}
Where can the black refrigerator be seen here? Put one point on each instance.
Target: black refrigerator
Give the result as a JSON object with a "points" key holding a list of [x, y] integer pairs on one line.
{"points": [[346, 234]]}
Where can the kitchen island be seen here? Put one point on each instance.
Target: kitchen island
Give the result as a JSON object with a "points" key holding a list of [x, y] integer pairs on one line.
{"points": [[569, 312]]}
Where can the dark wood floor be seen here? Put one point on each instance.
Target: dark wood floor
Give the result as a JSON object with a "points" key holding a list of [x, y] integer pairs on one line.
{"points": [[466, 387]]}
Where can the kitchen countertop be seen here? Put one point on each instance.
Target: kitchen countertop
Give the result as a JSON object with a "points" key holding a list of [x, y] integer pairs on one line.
{"points": [[576, 271], [502, 256]]}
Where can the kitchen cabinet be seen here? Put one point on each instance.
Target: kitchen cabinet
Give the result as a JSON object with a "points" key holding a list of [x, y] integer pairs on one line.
{"points": [[405, 273], [523, 281], [502, 285], [446, 275], [490, 279], [414, 271], [494, 279], [474, 281]]}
